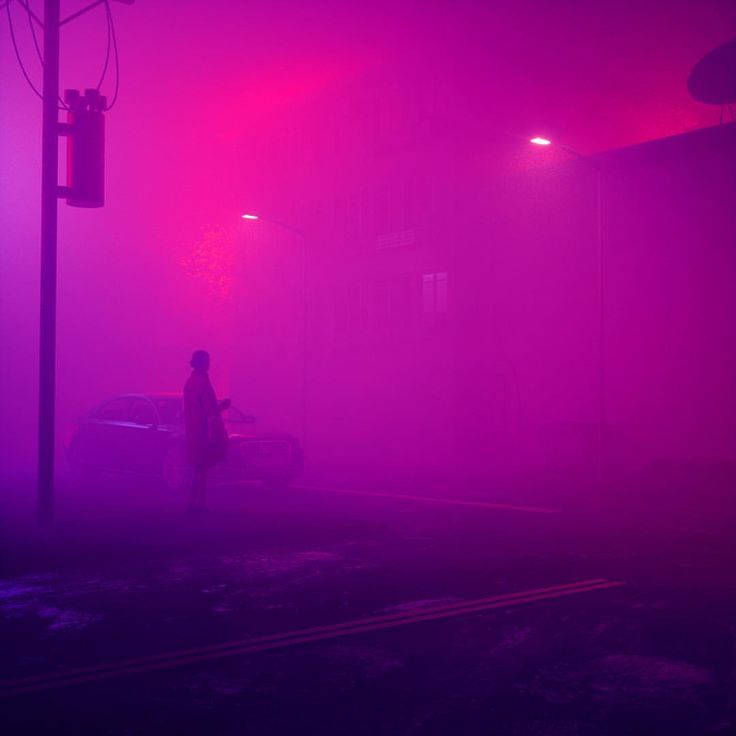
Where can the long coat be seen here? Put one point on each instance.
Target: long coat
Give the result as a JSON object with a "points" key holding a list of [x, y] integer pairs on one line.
{"points": [[202, 420]]}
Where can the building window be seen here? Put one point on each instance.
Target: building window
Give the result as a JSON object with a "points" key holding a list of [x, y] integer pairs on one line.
{"points": [[434, 293]]}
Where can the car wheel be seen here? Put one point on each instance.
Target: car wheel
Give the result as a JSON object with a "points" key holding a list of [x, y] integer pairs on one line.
{"points": [[176, 473]]}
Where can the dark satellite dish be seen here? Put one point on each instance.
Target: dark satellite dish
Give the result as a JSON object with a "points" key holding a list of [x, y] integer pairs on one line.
{"points": [[713, 78]]}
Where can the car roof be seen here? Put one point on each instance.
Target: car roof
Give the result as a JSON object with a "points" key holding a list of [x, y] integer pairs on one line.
{"points": [[146, 397]]}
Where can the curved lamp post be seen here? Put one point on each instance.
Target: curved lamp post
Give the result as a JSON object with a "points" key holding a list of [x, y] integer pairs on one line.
{"points": [[303, 240], [542, 141]]}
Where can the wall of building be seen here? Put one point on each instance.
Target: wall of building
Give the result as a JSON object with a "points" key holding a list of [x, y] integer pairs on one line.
{"points": [[670, 264], [453, 295]]}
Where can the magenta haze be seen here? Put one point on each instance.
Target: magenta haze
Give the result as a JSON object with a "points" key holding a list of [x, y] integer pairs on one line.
{"points": [[452, 303]]}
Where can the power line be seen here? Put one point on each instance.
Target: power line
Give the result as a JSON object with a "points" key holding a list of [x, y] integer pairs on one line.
{"points": [[111, 26], [112, 45], [107, 52], [26, 5], [17, 52]]}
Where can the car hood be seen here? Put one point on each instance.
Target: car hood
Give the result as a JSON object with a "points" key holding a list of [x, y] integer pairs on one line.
{"points": [[237, 431]]}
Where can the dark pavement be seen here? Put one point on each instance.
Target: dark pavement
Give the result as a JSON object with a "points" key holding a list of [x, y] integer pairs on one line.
{"points": [[312, 611]]}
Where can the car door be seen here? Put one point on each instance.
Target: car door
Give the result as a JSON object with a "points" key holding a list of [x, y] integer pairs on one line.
{"points": [[103, 433], [147, 438]]}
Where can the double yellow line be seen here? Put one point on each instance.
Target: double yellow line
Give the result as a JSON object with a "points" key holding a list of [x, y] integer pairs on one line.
{"points": [[79, 675]]}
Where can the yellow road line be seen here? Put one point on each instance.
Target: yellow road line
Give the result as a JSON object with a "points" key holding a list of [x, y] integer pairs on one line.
{"points": [[178, 658]]}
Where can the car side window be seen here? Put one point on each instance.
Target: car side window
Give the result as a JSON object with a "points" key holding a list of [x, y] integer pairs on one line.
{"points": [[114, 411], [142, 412], [170, 410]]}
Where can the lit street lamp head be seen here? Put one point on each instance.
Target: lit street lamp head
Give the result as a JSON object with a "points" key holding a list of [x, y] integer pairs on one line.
{"points": [[538, 141], [249, 217]]}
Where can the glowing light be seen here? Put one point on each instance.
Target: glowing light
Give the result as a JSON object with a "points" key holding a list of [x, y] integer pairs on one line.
{"points": [[249, 217], [537, 141]]}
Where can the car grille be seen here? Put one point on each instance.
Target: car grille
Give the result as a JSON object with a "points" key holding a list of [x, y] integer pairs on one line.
{"points": [[266, 453]]}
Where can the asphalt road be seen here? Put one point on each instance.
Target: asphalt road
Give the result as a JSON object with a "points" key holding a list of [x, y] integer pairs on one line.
{"points": [[335, 612]]}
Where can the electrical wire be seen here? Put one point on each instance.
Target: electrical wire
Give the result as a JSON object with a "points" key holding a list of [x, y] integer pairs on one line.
{"points": [[27, 6], [112, 45], [111, 26], [25, 3], [107, 52], [17, 52]]}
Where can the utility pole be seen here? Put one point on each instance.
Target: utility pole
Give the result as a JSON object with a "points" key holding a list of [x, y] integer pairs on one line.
{"points": [[49, 218], [85, 131]]}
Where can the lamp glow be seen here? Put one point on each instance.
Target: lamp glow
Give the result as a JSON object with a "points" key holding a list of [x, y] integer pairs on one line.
{"points": [[537, 141], [249, 217]]}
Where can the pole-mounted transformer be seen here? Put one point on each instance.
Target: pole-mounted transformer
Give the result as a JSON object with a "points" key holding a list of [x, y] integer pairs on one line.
{"points": [[85, 148]]}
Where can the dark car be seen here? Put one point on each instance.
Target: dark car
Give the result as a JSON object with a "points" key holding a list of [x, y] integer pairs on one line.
{"points": [[144, 435]]}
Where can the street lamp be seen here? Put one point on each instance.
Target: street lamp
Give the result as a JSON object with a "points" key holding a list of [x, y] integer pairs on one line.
{"points": [[271, 221], [303, 240], [542, 141]]}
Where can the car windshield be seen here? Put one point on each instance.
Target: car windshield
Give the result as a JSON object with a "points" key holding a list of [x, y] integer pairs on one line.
{"points": [[171, 411]]}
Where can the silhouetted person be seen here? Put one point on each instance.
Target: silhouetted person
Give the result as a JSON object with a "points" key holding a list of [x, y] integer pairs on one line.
{"points": [[206, 437]]}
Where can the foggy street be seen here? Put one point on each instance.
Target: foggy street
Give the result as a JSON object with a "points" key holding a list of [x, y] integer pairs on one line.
{"points": [[336, 611], [367, 368]]}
